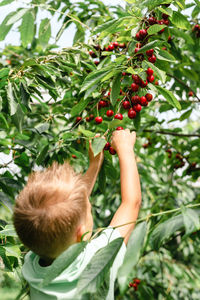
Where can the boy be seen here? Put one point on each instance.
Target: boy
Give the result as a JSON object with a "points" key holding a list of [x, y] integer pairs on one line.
{"points": [[53, 211]]}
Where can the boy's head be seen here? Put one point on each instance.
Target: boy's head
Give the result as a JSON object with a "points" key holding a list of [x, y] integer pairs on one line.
{"points": [[52, 211]]}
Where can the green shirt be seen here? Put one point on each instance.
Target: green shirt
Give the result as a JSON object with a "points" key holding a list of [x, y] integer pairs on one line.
{"points": [[64, 286]]}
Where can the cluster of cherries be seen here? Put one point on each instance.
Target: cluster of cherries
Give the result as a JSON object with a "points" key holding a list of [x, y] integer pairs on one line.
{"points": [[179, 158], [196, 29], [135, 283]]}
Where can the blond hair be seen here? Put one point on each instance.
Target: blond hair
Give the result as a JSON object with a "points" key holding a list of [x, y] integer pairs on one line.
{"points": [[49, 208]]}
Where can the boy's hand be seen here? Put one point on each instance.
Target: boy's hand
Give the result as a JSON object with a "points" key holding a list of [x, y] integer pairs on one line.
{"points": [[98, 159], [123, 140]]}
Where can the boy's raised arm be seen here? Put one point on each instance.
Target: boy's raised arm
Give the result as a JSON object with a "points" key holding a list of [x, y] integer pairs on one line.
{"points": [[123, 142], [95, 163]]}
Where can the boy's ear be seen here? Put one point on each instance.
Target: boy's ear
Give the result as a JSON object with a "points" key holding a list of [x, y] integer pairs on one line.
{"points": [[80, 231]]}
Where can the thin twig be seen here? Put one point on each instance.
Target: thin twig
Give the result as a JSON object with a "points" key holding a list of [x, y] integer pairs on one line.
{"points": [[172, 133], [184, 84]]}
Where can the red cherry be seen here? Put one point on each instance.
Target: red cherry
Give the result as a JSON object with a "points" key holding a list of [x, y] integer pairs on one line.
{"points": [[111, 47], [149, 52], [190, 94], [121, 92], [115, 44], [149, 97], [149, 72], [96, 62], [74, 156], [107, 146], [98, 120], [135, 99], [8, 61], [160, 22], [165, 16], [166, 22], [87, 119], [108, 94], [136, 79], [169, 39], [136, 280], [143, 84], [78, 119], [110, 113], [118, 116], [106, 49], [124, 74], [131, 113], [119, 128], [126, 104], [92, 54], [150, 78], [143, 33], [134, 87], [103, 103], [196, 27], [152, 21], [135, 286], [91, 117], [143, 101], [122, 45], [112, 151], [137, 107], [138, 45], [136, 50], [137, 36], [152, 59], [156, 82]]}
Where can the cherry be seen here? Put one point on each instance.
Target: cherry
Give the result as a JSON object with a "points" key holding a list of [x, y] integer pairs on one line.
{"points": [[98, 120], [107, 146], [152, 59], [119, 128], [91, 117], [165, 16], [134, 87], [136, 280], [143, 101], [126, 104], [138, 38], [110, 113], [108, 94], [156, 82], [122, 45], [136, 50], [87, 119], [149, 97], [131, 113], [74, 156], [111, 47], [96, 62], [138, 45], [166, 22], [115, 44], [78, 119], [169, 39], [118, 116], [150, 78], [152, 21], [8, 61], [103, 103], [121, 92], [145, 145], [135, 286], [112, 151], [136, 79], [143, 84], [137, 107], [92, 54], [135, 99], [149, 52], [190, 94], [106, 49], [143, 33], [123, 73], [149, 72]]}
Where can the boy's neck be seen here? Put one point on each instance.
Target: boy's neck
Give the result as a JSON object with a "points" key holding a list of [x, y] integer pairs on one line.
{"points": [[45, 262]]}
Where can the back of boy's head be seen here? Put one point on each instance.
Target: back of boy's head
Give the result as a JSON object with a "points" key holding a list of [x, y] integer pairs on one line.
{"points": [[49, 209]]}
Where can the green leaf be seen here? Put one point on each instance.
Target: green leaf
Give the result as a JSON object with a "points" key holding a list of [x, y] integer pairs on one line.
{"points": [[27, 29], [165, 230], [186, 115], [169, 96], [44, 32], [155, 28], [17, 16], [159, 160], [5, 2], [137, 121], [151, 4], [4, 29], [93, 275], [63, 261], [180, 33], [115, 88], [79, 107], [98, 145], [11, 101], [180, 20], [134, 247], [115, 123], [43, 153], [190, 219], [18, 118], [85, 132], [4, 72], [93, 78], [150, 45], [3, 122], [12, 250], [9, 230], [165, 55]]}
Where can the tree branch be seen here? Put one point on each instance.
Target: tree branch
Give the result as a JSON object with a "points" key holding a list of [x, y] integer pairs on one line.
{"points": [[172, 133], [184, 84]]}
